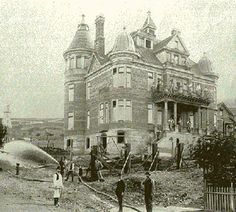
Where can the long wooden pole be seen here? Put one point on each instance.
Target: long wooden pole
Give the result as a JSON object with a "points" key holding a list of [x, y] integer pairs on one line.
{"points": [[153, 161], [122, 170]]}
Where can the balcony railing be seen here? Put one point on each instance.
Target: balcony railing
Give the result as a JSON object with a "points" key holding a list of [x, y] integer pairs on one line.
{"points": [[189, 96]]}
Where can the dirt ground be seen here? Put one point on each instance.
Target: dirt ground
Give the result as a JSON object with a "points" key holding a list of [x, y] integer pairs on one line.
{"points": [[176, 188]]}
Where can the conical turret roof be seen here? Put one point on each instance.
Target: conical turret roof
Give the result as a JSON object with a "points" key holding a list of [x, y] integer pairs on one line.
{"points": [[82, 39]]}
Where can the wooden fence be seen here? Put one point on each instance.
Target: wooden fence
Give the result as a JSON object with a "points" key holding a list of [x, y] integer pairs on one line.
{"points": [[219, 198]]}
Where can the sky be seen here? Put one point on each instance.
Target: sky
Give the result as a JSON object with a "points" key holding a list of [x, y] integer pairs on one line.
{"points": [[35, 33]]}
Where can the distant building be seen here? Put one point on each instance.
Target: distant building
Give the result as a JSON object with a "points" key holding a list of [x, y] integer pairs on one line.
{"points": [[133, 92], [226, 121]]}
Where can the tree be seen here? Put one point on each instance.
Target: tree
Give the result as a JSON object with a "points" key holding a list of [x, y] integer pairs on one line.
{"points": [[3, 132], [217, 156]]}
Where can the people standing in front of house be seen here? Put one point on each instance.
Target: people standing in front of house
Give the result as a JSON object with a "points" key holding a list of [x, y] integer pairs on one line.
{"points": [[148, 192], [171, 123], [71, 171], [80, 174], [189, 124], [180, 124], [99, 167], [179, 153], [120, 189], [58, 186], [62, 166]]}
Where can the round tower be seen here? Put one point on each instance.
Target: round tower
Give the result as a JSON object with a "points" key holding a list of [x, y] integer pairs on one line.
{"points": [[77, 58]]}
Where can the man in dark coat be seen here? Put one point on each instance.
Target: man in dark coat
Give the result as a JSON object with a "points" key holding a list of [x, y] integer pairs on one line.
{"points": [[62, 166], [148, 192], [120, 189]]}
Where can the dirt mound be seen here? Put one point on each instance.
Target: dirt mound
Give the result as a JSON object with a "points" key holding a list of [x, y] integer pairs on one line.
{"points": [[179, 188]]}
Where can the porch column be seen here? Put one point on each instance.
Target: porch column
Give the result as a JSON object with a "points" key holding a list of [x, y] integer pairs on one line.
{"points": [[165, 125], [199, 121], [207, 122], [175, 115]]}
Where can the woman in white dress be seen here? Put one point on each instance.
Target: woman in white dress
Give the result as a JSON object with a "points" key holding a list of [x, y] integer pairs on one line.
{"points": [[57, 185]]}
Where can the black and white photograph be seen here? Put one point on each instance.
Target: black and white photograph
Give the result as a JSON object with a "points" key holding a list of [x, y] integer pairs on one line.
{"points": [[118, 105]]}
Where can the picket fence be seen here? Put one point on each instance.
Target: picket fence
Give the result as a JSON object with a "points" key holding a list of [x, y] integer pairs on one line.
{"points": [[219, 198]]}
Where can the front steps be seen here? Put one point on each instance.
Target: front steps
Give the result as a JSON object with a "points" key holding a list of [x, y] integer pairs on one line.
{"points": [[167, 144]]}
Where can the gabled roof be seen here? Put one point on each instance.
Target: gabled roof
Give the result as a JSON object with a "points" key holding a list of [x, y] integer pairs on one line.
{"points": [[100, 60], [233, 110], [222, 104], [162, 43], [148, 56]]}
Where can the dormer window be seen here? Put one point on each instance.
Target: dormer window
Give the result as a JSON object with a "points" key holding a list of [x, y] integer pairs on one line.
{"points": [[176, 59], [148, 44]]}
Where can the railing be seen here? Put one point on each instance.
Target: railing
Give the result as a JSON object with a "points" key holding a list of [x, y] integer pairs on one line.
{"points": [[219, 198], [203, 97]]}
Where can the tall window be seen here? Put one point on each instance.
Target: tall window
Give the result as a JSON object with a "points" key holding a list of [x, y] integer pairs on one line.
{"points": [[107, 112], [215, 120], [115, 77], [71, 93], [128, 110], [148, 44], [101, 113], [88, 119], [88, 90], [122, 77], [150, 113], [72, 62], [121, 110], [120, 137], [114, 110], [150, 80], [80, 62], [176, 59], [87, 145], [70, 121]]}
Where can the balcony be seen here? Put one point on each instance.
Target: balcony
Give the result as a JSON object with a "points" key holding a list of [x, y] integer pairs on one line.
{"points": [[199, 97]]}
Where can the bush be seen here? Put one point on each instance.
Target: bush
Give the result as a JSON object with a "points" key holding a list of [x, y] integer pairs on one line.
{"points": [[217, 156]]}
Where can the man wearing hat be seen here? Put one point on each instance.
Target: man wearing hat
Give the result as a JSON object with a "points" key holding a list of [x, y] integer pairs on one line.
{"points": [[148, 192], [120, 189], [57, 185]]}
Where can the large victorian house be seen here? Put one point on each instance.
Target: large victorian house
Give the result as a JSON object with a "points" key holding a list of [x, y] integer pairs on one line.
{"points": [[142, 89]]}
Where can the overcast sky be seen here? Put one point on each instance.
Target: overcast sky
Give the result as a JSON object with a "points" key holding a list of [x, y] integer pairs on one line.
{"points": [[35, 33]]}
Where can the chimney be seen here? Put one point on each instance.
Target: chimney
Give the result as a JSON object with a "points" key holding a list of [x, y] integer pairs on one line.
{"points": [[100, 39], [175, 32]]}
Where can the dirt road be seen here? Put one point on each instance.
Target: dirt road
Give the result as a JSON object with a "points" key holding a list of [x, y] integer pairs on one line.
{"points": [[20, 195]]}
